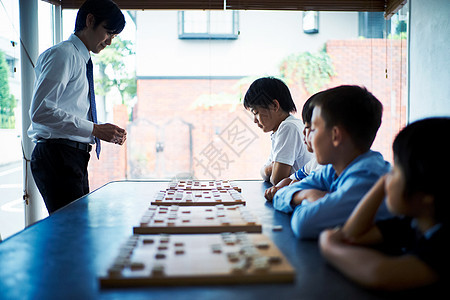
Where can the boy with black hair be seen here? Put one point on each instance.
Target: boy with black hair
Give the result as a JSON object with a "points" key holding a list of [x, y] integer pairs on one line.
{"points": [[310, 166], [63, 111], [271, 103], [417, 237], [345, 121]]}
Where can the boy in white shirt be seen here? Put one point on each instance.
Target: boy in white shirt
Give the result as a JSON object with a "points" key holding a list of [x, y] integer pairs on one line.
{"points": [[310, 166], [271, 103]]}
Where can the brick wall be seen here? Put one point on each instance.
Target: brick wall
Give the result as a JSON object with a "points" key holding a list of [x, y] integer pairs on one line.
{"points": [[112, 163], [172, 137], [364, 62], [192, 134]]}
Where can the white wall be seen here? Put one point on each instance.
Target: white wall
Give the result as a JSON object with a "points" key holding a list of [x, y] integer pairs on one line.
{"points": [[429, 59], [266, 37]]}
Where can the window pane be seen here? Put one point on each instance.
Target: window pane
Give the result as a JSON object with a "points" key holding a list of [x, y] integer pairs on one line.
{"points": [[11, 203], [187, 119], [221, 22], [45, 26], [195, 22]]}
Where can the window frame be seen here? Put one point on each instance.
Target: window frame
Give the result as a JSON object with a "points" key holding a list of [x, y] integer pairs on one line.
{"points": [[208, 35]]}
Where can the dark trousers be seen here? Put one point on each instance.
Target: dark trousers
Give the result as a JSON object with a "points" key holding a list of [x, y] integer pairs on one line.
{"points": [[60, 173]]}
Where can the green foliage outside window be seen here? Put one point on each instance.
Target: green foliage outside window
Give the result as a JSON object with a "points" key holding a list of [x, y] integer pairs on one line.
{"points": [[311, 71], [114, 74], [7, 100], [400, 31]]}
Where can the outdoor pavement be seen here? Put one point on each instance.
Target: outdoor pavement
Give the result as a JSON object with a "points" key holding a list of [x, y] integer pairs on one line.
{"points": [[10, 146], [12, 215]]}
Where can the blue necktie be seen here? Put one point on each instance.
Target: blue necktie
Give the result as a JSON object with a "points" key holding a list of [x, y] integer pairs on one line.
{"points": [[93, 109]]}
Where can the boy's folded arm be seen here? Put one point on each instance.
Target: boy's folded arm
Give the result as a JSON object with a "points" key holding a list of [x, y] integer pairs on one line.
{"points": [[310, 195], [360, 227], [266, 172], [270, 192], [309, 219], [280, 171], [374, 269], [282, 200], [283, 197]]}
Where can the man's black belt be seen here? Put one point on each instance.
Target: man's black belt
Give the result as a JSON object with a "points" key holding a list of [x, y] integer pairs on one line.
{"points": [[77, 145]]}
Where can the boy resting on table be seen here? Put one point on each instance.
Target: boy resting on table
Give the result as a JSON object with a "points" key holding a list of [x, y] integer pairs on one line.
{"points": [[416, 191], [270, 102], [344, 124], [310, 166]]}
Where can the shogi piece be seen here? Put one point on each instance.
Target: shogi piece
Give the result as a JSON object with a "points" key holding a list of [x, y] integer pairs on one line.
{"points": [[199, 185], [226, 258], [198, 198], [197, 219]]}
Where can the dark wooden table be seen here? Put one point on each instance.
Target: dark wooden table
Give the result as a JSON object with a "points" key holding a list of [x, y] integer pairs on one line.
{"points": [[61, 256]]}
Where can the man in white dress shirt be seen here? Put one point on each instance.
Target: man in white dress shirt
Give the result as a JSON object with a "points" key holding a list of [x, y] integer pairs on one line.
{"points": [[63, 120]]}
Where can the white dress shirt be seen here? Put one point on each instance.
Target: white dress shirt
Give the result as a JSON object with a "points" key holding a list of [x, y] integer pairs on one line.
{"points": [[60, 104]]}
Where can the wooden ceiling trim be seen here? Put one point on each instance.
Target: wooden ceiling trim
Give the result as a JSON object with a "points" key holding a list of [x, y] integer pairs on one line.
{"points": [[390, 7]]}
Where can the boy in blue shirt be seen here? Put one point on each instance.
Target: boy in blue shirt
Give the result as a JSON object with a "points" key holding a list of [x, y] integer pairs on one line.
{"points": [[345, 122], [414, 243]]}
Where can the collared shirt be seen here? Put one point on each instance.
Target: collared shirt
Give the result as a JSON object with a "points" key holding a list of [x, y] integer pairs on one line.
{"points": [[60, 104], [401, 236], [343, 194], [287, 144]]}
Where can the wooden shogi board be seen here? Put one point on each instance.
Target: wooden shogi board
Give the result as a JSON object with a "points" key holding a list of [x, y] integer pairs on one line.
{"points": [[198, 198], [227, 258], [204, 185], [197, 219]]}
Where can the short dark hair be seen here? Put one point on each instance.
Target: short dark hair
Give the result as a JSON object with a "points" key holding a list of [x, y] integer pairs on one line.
{"points": [[264, 90], [355, 109], [102, 10], [308, 108], [421, 152]]}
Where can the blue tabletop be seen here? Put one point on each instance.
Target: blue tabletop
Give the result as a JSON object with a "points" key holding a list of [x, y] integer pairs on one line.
{"points": [[62, 256]]}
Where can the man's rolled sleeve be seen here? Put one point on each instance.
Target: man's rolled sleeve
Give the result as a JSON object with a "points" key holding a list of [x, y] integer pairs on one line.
{"points": [[84, 127]]}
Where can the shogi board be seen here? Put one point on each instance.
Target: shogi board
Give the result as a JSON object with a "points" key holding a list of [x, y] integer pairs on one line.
{"points": [[204, 185], [227, 258], [197, 219], [198, 198]]}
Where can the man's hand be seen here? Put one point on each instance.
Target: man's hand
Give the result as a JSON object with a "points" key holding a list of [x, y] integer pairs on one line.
{"points": [[110, 133]]}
